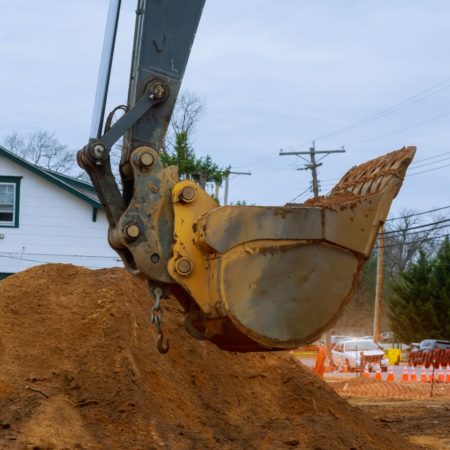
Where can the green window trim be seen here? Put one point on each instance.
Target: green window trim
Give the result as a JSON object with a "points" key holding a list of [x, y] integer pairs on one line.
{"points": [[16, 182], [4, 275]]}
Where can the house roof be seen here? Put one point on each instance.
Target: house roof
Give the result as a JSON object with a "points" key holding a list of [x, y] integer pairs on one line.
{"points": [[81, 189]]}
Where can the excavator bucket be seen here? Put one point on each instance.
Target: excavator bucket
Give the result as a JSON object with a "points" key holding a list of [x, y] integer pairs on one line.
{"points": [[268, 278], [249, 278]]}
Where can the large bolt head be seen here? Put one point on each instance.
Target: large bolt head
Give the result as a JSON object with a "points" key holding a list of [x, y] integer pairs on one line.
{"points": [[158, 91], [98, 150], [146, 159], [188, 194], [132, 231], [184, 266]]}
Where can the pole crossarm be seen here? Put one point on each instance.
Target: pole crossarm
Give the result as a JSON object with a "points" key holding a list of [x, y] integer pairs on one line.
{"points": [[313, 165], [317, 152], [232, 172], [227, 183]]}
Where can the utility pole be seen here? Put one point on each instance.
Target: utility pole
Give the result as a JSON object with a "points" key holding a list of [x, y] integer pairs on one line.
{"points": [[313, 164], [379, 288], [227, 183]]}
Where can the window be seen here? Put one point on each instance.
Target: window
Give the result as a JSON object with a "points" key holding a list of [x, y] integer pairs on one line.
{"points": [[9, 201]]}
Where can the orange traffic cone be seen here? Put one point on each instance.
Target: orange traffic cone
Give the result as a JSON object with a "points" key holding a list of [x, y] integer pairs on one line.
{"points": [[390, 376], [441, 378], [447, 374], [405, 374], [378, 373], [366, 373], [423, 375], [412, 374], [430, 374]]}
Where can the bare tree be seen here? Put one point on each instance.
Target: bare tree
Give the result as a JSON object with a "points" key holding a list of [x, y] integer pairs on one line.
{"points": [[42, 149], [188, 110], [406, 235]]}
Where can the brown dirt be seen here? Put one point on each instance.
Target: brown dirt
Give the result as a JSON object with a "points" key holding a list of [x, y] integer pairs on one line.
{"points": [[79, 370], [425, 423], [333, 201]]}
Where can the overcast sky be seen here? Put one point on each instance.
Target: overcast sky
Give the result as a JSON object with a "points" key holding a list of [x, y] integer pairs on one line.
{"points": [[274, 74]]}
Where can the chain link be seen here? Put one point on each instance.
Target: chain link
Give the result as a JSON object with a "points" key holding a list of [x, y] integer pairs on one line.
{"points": [[157, 320]]}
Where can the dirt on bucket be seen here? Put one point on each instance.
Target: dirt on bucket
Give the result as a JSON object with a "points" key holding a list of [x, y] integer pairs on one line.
{"points": [[80, 370]]}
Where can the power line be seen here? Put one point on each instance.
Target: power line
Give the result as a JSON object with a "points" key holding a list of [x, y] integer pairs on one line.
{"points": [[422, 231], [262, 158], [394, 108], [417, 227], [415, 166], [414, 242], [300, 195], [439, 116], [418, 213], [25, 259], [426, 171], [431, 157]]}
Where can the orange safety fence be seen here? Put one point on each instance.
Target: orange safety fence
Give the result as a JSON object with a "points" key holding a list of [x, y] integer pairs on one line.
{"points": [[436, 358]]}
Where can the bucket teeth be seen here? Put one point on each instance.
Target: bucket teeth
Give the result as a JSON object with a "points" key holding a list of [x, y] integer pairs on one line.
{"points": [[359, 204], [372, 176]]}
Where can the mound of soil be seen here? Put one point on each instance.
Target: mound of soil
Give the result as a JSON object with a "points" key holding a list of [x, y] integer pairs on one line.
{"points": [[79, 370]]}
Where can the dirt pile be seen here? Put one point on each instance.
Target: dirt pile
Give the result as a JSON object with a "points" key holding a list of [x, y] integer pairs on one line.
{"points": [[79, 370]]}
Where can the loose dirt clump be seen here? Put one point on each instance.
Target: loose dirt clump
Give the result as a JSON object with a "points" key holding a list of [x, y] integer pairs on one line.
{"points": [[79, 370]]}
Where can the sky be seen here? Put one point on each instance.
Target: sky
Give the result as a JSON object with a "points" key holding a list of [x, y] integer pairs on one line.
{"points": [[273, 74]]}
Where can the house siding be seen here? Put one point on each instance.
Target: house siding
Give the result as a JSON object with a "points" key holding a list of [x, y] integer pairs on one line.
{"points": [[54, 226]]}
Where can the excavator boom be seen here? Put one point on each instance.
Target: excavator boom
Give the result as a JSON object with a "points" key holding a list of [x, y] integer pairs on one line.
{"points": [[249, 278]]}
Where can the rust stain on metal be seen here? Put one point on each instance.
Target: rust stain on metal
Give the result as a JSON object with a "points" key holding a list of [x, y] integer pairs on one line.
{"points": [[282, 212]]}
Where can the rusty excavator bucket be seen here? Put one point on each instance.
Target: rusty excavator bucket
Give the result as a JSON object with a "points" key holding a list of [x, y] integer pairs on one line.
{"points": [[267, 278], [249, 278], [252, 278]]}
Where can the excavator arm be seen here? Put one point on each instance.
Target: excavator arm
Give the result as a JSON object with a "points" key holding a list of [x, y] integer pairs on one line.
{"points": [[164, 34], [249, 278]]}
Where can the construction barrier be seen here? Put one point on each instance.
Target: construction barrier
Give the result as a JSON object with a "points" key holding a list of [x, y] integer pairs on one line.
{"points": [[434, 358], [404, 374]]}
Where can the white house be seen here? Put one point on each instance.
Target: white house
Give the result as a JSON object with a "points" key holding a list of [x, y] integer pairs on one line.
{"points": [[48, 217]]}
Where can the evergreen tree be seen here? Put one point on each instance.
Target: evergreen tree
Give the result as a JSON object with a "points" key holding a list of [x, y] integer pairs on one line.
{"points": [[182, 156], [440, 285], [203, 170], [420, 300]]}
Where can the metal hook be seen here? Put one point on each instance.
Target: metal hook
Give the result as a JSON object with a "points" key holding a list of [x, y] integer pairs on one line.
{"points": [[160, 346]]}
